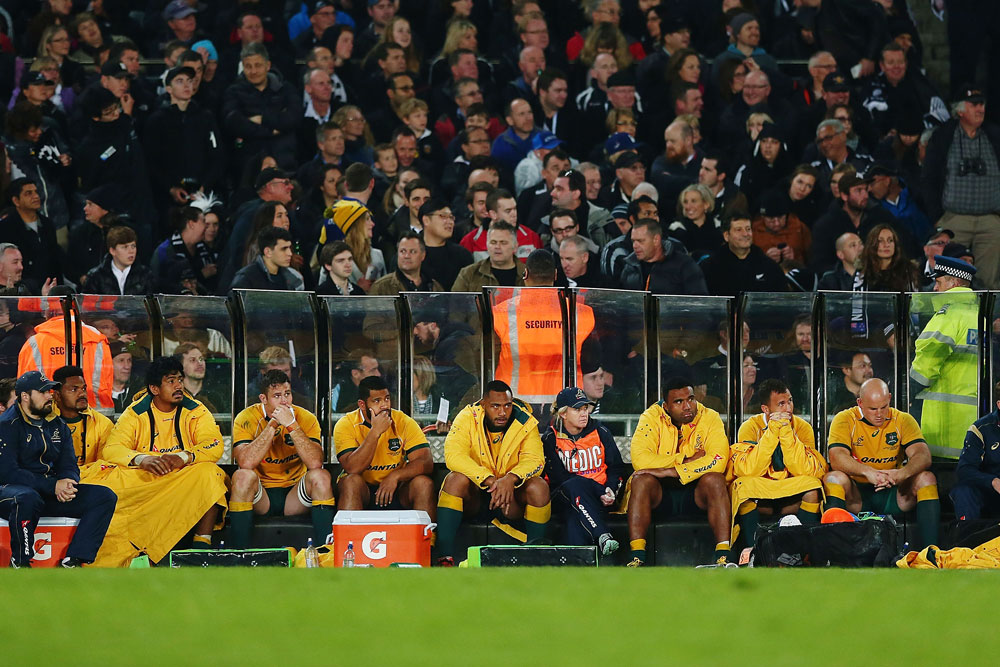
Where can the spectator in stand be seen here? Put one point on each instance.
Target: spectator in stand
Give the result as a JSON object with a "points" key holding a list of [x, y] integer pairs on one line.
{"points": [[740, 266], [88, 239], [12, 271], [23, 225], [744, 29], [658, 265], [444, 257], [515, 142], [355, 224], [678, 167], [473, 142], [500, 267], [338, 262], [410, 275], [897, 198], [501, 206], [937, 240], [270, 271], [530, 63], [613, 254], [329, 142], [960, 177], [831, 139], [885, 266], [553, 113], [629, 173], [119, 273], [696, 226], [261, 112], [852, 215], [580, 266], [529, 170], [322, 15], [846, 276], [754, 97], [779, 232], [595, 96], [536, 200], [569, 192], [770, 163], [803, 194], [852, 31], [183, 250], [563, 225], [714, 175], [182, 141]]}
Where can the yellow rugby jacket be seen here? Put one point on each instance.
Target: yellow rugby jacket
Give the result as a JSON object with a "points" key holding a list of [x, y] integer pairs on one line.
{"points": [[698, 448], [467, 449]]}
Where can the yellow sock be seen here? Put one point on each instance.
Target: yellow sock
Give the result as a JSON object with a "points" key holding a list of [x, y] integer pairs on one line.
{"points": [[329, 502], [537, 514], [637, 545], [722, 546], [809, 507], [240, 507], [929, 492], [746, 507], [835, 491], [203, 539]]}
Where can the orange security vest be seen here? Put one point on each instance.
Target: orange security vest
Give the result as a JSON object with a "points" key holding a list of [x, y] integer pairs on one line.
{"points": [[530, 328], [46, 352]]}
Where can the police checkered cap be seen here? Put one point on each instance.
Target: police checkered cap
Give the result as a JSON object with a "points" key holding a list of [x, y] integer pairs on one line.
{"points": [[953, 266]]}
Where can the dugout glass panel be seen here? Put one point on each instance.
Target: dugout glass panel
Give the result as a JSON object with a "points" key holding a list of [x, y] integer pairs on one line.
{"points": [[859, 342], [609, 330], [776, 342], [529, 342], [19, 315], [363, 340], [692, 334], [444, 354], [279, 332], [944, 358], [193, 324], [126, 323]]}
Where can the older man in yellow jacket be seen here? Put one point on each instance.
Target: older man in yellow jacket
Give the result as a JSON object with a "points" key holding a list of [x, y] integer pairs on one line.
{"points": [[161, 460], [493, 450], [775, 467], [679, 452]]}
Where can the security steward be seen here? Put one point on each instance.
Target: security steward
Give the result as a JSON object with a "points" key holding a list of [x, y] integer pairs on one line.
{"points": [[529, 326], [39, 477], [946, 359]]}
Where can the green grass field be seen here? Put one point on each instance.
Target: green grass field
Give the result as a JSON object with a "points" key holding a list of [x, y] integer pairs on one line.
{"points": [[499, 616]]}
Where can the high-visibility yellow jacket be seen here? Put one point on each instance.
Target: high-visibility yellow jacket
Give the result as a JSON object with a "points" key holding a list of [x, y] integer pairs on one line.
{"points": [[46, 352], [702, 446], [946, 363], [467, 448]]}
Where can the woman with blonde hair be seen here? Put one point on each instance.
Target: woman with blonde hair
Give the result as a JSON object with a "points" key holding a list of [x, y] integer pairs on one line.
{"points": [[695, 226], [606, 38], [425, 397], [55, 43], [358, 139], [356, 225], [461, 34], [621, 120], [398, 31]]}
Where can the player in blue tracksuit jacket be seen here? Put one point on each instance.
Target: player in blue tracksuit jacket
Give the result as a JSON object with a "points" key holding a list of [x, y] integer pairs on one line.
{"points": [[39, 477], [977, 493], [584, 468]]}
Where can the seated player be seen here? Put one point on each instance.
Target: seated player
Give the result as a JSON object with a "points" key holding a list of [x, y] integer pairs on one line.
{"points": [[39, 477], [385, 456], [775, 467], [277, 447], [584, 469], [494, 453], [679, 452], [89, 428], [867, 446], [977, 493], [161, 460]]}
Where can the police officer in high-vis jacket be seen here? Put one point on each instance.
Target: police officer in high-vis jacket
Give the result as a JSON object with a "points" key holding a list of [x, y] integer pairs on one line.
{"points": [[946, 359], [39, 477]]}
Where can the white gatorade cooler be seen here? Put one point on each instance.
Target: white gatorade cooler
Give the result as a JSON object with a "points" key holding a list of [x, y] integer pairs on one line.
{"points": [[381, 538], [52, 538]]}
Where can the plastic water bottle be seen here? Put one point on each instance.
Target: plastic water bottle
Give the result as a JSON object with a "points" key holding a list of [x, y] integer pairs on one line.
{"points": [[312, 556], [349, 555]]}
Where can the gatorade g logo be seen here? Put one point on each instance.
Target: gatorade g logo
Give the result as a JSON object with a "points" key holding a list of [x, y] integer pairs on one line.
{"points": [[373, 545]]}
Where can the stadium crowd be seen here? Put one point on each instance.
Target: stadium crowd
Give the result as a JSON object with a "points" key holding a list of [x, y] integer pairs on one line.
{"points": [[383, 147]]}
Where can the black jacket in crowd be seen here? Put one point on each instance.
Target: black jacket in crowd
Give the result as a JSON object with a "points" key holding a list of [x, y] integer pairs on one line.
{"points": [[728, 275], [183, 144], [42, 255], [280, 107], [676, 273], [101, 279]]}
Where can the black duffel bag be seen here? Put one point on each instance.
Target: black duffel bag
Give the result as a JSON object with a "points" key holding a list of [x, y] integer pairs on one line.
{"points": [[870, 543]]}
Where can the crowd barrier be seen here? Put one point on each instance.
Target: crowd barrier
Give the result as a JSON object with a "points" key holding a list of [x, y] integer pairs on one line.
{"points": [[437, 350]]}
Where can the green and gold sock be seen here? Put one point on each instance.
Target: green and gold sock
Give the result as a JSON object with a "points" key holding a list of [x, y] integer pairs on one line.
{"points": [[722, 550], [928, 515], [808, 512], [449, 518], [835, 496], [749, 519], [240, 525], [535, 521], [321, 514], [637, 549]]}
